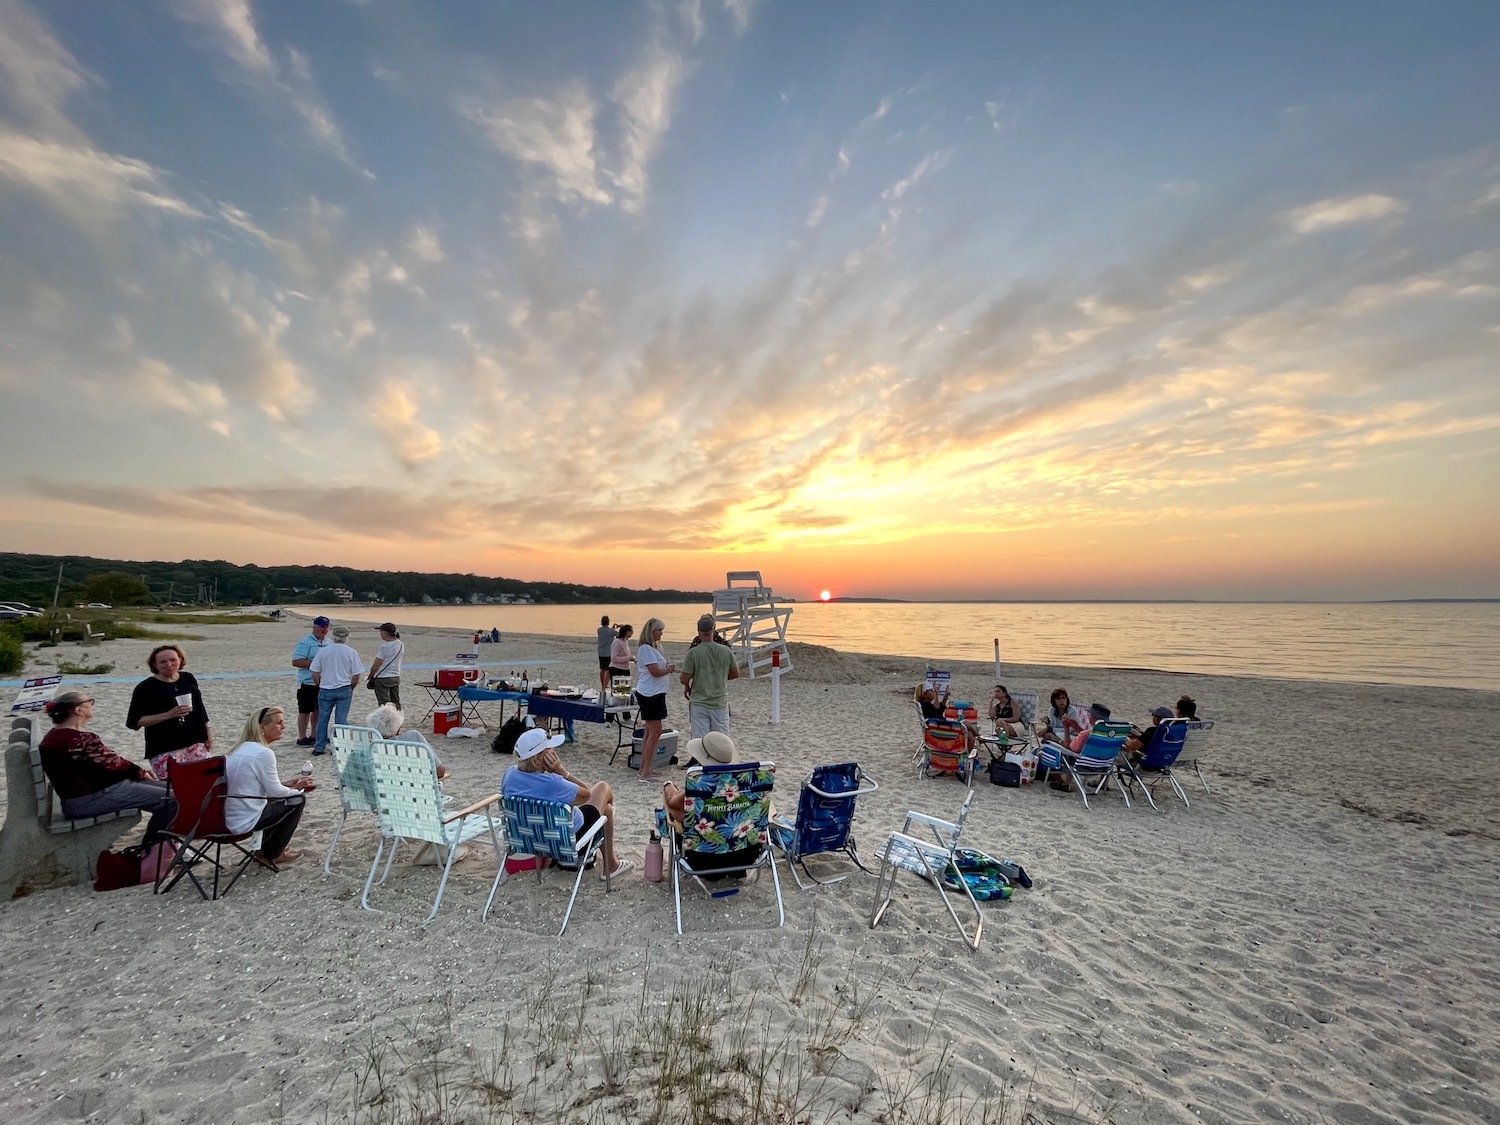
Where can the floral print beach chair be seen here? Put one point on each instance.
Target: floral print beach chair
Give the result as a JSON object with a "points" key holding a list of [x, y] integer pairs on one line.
{"points": [[725, 831]]}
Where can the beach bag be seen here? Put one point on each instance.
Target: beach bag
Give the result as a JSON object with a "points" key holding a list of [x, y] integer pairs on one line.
{"points": [[512, 729], [986, 877], [1005, 773], [117, 869]]}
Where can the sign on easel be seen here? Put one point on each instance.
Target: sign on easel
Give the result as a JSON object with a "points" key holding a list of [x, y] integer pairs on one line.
{"points": [[35, 694]]}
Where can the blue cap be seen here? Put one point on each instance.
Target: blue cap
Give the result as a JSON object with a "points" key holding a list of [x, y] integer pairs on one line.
{"points": [[323, 621]]}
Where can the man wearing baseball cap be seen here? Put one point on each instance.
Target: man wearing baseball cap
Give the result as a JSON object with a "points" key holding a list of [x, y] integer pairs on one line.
{"points": [[1136, 744], [335, 668], [539, 774], [307, 691], [705, 681]]}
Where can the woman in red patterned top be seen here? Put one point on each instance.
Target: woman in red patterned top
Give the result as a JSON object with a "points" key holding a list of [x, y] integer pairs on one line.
{"points": [[89, 778]]}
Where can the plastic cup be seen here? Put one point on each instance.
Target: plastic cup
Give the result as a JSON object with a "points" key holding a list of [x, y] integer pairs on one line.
{"points": [[184, 701]]}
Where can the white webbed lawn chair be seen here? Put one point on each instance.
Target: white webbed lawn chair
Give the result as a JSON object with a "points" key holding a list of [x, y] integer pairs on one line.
{"points": [[1198, 731], [356, 774], [411, 808], [932, 860], [545, 828]]}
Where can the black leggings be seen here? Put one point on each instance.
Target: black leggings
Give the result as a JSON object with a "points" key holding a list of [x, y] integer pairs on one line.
{"points": [[277, 823]]}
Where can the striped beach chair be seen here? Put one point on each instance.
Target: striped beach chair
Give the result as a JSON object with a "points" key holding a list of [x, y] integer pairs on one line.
{"points": [[356, 774]]}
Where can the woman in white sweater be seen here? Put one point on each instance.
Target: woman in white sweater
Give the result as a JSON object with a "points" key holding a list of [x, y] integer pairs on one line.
{"points": [[258, 800]]}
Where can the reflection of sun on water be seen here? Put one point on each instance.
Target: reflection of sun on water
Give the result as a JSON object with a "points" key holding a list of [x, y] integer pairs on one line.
{"points": [[824, 596]]}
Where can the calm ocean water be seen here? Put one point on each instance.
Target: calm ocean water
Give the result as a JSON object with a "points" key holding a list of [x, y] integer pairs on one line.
{"points": [[1456, 645]]}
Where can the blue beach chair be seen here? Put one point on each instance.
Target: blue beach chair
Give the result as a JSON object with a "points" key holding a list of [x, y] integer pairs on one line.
{"points": [[725, 830], [825, 819], [545, 828], [1097, 759], [1157, 759]]}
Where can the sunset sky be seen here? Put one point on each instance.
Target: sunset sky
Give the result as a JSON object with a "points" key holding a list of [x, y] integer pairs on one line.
{"points": [[988, 299]]}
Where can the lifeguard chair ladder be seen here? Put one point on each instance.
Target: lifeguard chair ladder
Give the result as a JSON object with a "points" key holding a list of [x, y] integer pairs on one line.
{"points": [[747, 616]]}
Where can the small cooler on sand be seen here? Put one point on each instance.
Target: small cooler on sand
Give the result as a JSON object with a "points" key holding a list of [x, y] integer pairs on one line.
{"points": [[445, 719], [666, 748]]}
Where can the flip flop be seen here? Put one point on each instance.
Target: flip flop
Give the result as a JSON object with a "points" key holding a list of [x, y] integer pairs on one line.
{"points": [[624, 866]]}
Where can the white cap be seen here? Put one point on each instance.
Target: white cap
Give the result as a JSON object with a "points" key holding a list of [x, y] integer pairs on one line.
{"points": [[534, 741]]}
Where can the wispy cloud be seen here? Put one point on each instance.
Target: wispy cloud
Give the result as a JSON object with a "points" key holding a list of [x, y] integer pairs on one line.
{"points": [[38, 75], [83, 183], [1341, 211], [554, 135]]}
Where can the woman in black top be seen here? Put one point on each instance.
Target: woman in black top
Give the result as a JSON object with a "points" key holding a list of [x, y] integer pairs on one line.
{"points": [[173, 731]]}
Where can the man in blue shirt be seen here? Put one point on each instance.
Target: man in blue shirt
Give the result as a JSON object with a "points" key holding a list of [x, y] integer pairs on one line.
{"points": [[307, 691], [539, 774]]}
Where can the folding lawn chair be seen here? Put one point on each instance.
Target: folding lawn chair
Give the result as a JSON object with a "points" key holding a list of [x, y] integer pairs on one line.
{"points": [[1168, 738], [825, 819], [1198, 731], [726, 822], [545, 828], [904, 851], [351, 760], [410, 807]]}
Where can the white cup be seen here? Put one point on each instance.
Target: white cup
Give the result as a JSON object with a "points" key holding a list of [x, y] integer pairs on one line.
{"points": [[184, 701]]}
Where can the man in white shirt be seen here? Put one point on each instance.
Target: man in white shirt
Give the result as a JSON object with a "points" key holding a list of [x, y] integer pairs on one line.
{"points": [[335, 669]]}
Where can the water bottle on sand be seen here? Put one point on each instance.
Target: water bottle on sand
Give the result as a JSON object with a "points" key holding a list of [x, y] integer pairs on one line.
{"points": [[307, 768], [653, 858]]}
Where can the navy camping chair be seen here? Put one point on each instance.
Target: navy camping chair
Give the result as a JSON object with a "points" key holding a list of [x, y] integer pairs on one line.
{"points": [[825, 820], [1167, 741]]}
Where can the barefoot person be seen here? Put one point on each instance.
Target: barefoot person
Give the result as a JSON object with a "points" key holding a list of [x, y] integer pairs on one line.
{"points": [[651, 690], [261, 802], [539, 774]]}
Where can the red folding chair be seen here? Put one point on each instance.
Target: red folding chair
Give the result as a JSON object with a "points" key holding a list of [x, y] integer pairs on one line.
{"points": [[201, 789]]}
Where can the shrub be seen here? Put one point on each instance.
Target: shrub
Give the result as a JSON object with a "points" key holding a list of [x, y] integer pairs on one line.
{"points": [[68, 668], [12, 655]]}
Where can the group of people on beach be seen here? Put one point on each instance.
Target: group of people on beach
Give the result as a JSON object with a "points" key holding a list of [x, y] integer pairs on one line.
{"points": [[328, 671]]}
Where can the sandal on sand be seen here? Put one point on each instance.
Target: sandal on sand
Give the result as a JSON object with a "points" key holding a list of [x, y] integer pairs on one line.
{"points": [[625, 865], [283, 859]]}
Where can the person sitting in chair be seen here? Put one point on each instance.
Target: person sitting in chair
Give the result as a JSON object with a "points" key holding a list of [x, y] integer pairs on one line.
{"points": [[1005, 714], [1098, 713], [388, 720], [539, 774], [258, 800], [935, 709], [1139, 739]]}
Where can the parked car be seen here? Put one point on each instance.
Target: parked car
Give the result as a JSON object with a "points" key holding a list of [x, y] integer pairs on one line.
{"points": [[10, 614], [20, 608], [98, 605]]}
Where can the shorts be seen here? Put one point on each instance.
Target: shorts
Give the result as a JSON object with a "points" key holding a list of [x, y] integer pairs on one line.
{"points": [[613, 671], [591, 817], [653, 707], [604, 664], [307, 699], [702, 719]]}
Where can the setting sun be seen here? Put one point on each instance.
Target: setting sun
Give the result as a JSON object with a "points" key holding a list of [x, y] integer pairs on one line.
{"points": [[824, 596]]}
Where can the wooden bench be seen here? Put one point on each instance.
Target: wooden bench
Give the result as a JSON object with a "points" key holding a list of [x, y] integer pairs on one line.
{"points": [[39, 847]]}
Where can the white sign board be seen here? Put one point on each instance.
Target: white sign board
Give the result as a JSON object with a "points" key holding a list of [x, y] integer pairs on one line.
{"points": [[34, 694], [937, 681]]}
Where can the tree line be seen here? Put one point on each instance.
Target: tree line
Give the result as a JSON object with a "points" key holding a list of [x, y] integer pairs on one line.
{"points": [[33, 579]]}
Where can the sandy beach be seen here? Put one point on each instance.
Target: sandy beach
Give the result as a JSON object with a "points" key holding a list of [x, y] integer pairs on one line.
{"points": [[1314, 941]]}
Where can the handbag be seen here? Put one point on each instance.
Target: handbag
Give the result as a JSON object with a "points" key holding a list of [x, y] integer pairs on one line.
{"points": [[157, 860], [117, 869]]}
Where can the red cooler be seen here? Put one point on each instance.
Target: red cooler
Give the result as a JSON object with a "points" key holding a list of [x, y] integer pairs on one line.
{"points": [[445, 719], [455, 677]]}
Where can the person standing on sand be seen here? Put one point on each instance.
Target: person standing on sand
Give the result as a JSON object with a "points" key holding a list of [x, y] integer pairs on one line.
{"points": [[335, 669], [651, 690], [705, 681], [174, 731], [307, 691], [606, 637], [385, 672]]}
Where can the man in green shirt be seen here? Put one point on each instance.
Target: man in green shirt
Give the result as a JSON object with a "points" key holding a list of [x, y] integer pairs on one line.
{"points": [[706, 673]]}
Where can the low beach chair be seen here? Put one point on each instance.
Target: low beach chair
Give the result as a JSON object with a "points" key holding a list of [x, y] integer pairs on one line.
{"points": [[932, 860], [1198, 731], [356, 774], [545, 828], [943, 749], [1160, 754], [725, 830], [1097, 759], [201, 789], [410, 807], [825, 820]]}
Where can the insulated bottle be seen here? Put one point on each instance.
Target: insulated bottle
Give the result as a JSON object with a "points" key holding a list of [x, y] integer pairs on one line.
{"points": [[653, 858]]}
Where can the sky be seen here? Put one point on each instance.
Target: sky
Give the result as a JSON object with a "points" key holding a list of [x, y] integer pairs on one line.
{"points": [[964, 300]]}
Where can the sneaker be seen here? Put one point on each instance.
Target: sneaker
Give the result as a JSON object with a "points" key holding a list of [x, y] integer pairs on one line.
{"points": [[624, 866], [307, 742], [315, 752]]}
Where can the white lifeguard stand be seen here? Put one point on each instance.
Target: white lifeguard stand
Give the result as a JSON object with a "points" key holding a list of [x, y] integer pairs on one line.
{"points": [[747, 616]]}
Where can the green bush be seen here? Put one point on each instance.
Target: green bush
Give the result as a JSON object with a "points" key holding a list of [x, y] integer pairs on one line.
{"points": [[12, 655], [69, 668]]}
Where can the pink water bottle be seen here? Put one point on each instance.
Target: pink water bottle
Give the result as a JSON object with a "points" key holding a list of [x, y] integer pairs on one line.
{"points": [[653, 858]]}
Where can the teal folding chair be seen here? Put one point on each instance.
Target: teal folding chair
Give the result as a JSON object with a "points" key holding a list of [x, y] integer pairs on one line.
{"points": [[545, 828]]}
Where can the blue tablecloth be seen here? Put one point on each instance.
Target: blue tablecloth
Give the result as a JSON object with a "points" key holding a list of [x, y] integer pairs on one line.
{"points": [[539, 706]]}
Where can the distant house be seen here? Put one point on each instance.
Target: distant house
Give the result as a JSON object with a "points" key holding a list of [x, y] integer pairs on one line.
{"points": [[342, 594], [476, 599], [427, 600]]}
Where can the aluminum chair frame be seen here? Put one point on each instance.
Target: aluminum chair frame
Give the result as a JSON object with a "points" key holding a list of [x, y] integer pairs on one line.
{"points": [[905, 851], [1099, 758], [1168, 739]]}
